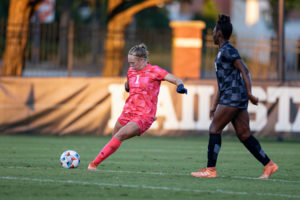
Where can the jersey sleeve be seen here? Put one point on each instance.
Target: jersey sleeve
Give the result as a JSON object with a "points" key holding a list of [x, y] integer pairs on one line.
{"points": [[232, 54], [160, 73]]}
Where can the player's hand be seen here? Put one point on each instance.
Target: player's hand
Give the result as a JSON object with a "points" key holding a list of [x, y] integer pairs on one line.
{"points": [[253, 99], [181, 89], [212, 112]]}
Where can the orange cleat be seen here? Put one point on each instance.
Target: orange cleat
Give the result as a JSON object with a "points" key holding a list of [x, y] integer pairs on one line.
{"points": [[209, 172], [92, 166], [269, 169]]}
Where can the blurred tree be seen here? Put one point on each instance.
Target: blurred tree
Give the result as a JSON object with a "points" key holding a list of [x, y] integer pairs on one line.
{"points": [[4, 9], [209, 15], [120, 14], [79, 11], [154, 18], [17, 35], [210, 10], [82, 11], [289, 6], [66, 6]]}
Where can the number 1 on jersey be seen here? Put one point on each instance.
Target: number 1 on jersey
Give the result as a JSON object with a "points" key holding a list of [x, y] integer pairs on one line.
{"points": [[137, 79]]}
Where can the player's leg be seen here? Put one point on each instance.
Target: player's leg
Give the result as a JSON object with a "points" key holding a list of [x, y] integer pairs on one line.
{"points": [[222, 116], [117, 127], [131, 129], [112, 143], [241, 126]]}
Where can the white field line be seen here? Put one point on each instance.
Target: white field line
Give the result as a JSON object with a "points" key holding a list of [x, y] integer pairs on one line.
{"points": [[168, 174], [270, 179], [149, 187], [177, 174]]}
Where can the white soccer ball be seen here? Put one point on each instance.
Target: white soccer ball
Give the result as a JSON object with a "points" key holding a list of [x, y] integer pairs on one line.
{"points": [[70, 159]]}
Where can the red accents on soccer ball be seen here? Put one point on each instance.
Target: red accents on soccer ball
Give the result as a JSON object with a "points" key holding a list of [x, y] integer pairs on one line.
{"points": [[70, 159]]}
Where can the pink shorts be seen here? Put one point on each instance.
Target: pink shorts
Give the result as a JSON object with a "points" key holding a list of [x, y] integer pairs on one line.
{"points": [[144, 122]]}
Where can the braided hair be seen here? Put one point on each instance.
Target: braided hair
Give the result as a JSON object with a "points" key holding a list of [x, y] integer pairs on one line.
{"points": [[224, 25], [139, 51]]}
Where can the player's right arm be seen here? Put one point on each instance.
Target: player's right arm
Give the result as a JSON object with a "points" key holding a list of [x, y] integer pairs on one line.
{"points": [[176, 81], [215, 104]]}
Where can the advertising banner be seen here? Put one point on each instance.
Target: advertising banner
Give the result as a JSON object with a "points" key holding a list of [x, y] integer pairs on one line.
{"points": [[92, 106]]}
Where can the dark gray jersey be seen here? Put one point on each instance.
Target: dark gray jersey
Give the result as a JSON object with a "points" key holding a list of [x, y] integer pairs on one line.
{"points": [[231, 86]]}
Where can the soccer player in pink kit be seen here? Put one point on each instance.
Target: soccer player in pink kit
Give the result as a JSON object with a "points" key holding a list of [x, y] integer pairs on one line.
{"points": [[143, 84]]}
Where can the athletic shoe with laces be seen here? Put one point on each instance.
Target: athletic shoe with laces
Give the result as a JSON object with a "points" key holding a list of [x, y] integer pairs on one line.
{"points": [[208, 172], [92, 166], [269, 169]]}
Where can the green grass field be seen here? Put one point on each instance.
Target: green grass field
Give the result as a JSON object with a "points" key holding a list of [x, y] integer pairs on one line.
{"points": [[143, 168]]}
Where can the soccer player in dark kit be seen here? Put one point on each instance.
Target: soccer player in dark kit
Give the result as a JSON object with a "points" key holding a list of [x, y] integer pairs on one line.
{"points": [[231, 103]]}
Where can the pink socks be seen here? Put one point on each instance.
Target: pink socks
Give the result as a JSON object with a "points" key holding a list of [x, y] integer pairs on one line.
{"points": [[107, 150]]}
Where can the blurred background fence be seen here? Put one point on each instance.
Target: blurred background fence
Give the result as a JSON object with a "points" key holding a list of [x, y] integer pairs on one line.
{"points": [[260, 55], [78, 50]]}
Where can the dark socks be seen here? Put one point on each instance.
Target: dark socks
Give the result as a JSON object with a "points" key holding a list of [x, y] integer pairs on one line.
{"points": [[254, 147], [214, 146]]}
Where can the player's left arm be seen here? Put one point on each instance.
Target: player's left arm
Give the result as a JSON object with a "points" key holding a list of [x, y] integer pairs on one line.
{"points": [[240, 65], [176, 81], [127, 85]]}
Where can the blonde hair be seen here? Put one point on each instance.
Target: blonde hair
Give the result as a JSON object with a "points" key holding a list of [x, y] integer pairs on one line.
{"points": [[139, 51]]}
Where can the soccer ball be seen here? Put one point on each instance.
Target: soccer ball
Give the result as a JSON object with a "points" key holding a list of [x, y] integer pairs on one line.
{"points": [[70, 159]]}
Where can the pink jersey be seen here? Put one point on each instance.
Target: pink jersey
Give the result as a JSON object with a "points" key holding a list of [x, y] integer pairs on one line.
{"points": [[144, 89]]}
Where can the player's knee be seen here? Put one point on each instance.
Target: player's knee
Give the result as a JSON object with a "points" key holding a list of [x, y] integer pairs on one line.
{"points": [[244, 135], [113, 134], [213, 130], [125, 134], [120, 137]]}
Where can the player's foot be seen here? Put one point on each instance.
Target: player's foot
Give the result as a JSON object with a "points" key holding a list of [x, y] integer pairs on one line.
{"points": [[209, 172], [269, 169], [92, 166]]}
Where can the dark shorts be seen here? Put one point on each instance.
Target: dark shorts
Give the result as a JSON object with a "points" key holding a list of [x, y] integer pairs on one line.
{"points": [[243, 105], [236, 104]]}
